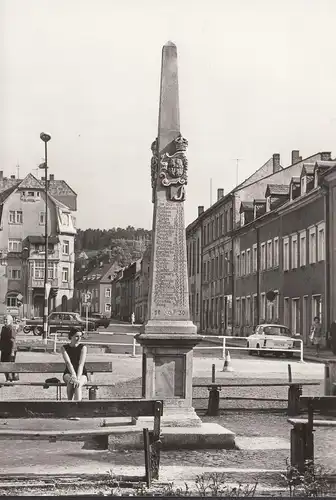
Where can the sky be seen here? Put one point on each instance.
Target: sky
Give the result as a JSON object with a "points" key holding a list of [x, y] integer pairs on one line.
{"points": [[256, 77]]}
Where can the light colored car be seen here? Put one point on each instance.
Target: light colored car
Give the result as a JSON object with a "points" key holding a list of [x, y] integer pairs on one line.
{"points": [[271, 336]]}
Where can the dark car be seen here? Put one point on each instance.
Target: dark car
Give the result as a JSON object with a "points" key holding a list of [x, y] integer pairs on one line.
{"points": [[60, 322], [98, 319]]}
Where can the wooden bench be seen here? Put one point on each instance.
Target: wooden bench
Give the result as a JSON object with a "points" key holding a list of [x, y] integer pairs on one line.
{"points": [[101, 408], [48, 368], [301, 435], [294, 393]]}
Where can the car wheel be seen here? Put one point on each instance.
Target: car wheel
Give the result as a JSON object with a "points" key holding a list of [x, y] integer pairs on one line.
{"points": [[26, 329], [38, 330]]}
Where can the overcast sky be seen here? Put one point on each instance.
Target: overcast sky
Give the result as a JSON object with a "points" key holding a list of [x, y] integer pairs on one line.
{"points": [[256, 78]]}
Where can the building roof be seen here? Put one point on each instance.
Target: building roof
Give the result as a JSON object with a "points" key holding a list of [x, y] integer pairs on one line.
{"points": [[295, 180], [259, 202], [308, 169], [277, 190], [5, 194], [98, 274], [246, 206]]}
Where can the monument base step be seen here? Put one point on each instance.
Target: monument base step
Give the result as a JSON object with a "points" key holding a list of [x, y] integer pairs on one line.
{"points": [[206, 436]]}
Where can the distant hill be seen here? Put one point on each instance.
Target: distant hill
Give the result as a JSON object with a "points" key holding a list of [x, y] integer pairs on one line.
{"points": [[113, 245]]}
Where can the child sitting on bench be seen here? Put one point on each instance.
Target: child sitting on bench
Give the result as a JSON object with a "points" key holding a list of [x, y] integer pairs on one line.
{"points": [[75, 374]]}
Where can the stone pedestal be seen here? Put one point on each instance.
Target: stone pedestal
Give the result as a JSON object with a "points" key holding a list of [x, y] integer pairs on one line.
{"points": [[167, 374]]}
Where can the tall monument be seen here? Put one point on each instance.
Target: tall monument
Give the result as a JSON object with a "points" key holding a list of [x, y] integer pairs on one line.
{"points": [[169, 335]]}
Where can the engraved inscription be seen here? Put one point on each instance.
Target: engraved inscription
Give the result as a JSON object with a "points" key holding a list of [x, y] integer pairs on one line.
{"points": [[170, 293], [169, 377]]}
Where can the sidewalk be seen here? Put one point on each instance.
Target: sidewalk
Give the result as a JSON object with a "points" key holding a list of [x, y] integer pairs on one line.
{"points": [[309, 354]]}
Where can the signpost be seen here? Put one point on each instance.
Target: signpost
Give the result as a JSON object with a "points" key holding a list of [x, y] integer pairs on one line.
{"points": [[86, 302]]}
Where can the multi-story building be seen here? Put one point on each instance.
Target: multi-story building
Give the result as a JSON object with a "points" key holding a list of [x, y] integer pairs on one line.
{"points": [[216, 283], [280, 247], [22, 245], [98, 283]]}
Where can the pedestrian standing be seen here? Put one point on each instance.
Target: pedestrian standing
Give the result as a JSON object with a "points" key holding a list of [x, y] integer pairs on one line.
{"points": [[8, 345], [316, 334]]}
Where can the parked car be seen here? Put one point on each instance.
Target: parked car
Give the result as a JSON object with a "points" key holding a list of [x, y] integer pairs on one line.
{"points": [[98, 319], [272, 336], [58, 321]]}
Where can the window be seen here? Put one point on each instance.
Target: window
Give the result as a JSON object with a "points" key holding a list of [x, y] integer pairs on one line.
{"points": [[11, 301], [269, 254], [14, 245], [248, 261], [269, 310], [108, 293], [286, 254], [276, 305], [263, 256], [268, 204], [276, 252], [303, 248], [254, 258], [294, 259], [242, 219], [38, 270], [15, 217], [65, 247], [321, 242], [248, 310], [30, 194], [238, 312], [317, 307], [286, 311], [262, 307], [65, 274], [107, 307], [303, 185], [42, 218], [238, 265], [242, 262], [14, 274], [295, 316], [312, 245]]}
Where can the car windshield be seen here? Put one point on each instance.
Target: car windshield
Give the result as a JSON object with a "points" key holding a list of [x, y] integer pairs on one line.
{"points": [[277, 330]]}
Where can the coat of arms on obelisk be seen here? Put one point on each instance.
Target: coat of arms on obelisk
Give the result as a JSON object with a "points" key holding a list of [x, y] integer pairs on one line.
{"points": [[174, 170]]}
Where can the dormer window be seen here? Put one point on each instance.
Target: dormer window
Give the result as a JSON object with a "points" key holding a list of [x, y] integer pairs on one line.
{"points": [[242, 218], [268, 204], [303, 184]]}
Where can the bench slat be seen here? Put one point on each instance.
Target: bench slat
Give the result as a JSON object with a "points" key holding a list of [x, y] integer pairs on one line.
{"points": [[91, 366], [67, 435], [62, 384], [86, 408], [259, 384], [317, 423], [320, 403]]}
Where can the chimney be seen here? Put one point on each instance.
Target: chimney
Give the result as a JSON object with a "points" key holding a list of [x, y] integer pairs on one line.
{"points": [[52, 177], [220, 193], [325, 156], [1, 175], [12, 176], [200, 210], [276, 162], [296, 156]]}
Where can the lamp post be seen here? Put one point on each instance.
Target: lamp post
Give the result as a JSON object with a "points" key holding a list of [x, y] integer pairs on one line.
{"points": [[45, 138]]}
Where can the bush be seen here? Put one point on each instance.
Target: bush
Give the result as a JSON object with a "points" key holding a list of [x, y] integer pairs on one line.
{"points": [[312, 483]]}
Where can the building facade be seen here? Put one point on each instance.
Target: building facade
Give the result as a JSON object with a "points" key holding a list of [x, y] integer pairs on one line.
{"points": [[98, 283], [281, 247], [22, 245], [216, 284]]}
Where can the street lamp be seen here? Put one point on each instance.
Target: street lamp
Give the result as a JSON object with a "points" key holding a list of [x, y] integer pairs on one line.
{"points": [[45, 138]]}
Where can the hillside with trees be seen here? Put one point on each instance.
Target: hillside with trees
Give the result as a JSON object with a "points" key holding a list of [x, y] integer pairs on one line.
{"points": [[113, 245]]}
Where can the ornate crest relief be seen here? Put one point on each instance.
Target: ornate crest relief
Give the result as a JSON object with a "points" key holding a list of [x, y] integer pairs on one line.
{"points": [[174, 170], [154, 166]]}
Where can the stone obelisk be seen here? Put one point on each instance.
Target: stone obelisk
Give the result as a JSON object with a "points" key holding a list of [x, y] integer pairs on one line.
{"points": [[168, 336]]}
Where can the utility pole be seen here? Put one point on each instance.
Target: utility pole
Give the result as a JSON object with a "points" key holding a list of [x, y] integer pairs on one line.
{"points": [[45, 138]]}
